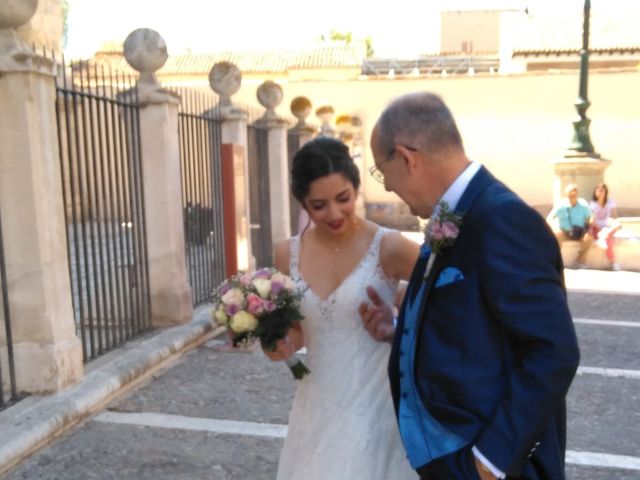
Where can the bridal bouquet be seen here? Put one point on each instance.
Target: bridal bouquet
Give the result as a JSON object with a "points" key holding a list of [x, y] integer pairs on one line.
{"points": [[260, 305]]}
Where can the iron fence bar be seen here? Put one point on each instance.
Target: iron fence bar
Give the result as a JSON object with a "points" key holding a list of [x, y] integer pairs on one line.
{"points": [[205, 223], [81, 169], [90, 173], [100, 214], [123, 217], [65, 196], [184, 169], [7, 325], [216, 161], [107, 216], [127, 116], [76, 193], [104, 204], [192, 204], [207, 165], [122, 223], [198, 208]]}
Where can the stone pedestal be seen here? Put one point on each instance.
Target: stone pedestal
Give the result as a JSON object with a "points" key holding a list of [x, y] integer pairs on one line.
{"points": [[279, 180], [169, 290], [270, 96], [171, 301], [583, 169], [47, 352]]}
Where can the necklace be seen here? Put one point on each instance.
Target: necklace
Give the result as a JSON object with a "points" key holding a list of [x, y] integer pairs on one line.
{"points": [[341, 245]]}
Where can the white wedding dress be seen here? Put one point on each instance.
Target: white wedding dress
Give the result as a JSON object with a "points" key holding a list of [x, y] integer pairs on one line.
{"points": [[342, 424]]}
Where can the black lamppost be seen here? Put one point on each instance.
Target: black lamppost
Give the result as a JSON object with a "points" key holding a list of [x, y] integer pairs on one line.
{"points": [[581, 139]]}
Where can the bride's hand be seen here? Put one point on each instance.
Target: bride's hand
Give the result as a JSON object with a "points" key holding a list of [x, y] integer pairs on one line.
{"points": [[285, 348], [377, 317]]}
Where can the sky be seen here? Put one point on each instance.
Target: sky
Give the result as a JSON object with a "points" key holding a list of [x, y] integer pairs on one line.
{"points": [[400, 28]]}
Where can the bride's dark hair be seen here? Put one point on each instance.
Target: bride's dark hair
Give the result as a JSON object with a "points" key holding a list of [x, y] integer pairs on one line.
{"points": [[318, 158]]}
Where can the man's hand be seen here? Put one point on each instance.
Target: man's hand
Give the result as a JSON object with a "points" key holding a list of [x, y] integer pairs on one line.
{"points": [[377, 317]]}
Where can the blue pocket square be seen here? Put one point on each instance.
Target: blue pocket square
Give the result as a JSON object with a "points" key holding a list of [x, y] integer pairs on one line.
{"points": [[447, 276]]}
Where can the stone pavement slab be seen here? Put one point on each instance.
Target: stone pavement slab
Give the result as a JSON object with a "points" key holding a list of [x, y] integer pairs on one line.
{"points": [[218, 384], [100, 451]]}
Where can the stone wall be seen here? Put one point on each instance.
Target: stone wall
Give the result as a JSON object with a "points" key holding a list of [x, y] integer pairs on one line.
{"points": [[515, 125]]}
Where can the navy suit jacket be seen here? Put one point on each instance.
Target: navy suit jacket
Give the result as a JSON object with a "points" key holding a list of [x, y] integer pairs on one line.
{"points": [[497, 350]]}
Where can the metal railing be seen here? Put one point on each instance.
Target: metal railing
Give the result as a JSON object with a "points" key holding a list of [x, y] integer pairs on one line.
{"points": [[259, 198], [8, 390], [430, 65], [201, 170], [98, 123]]}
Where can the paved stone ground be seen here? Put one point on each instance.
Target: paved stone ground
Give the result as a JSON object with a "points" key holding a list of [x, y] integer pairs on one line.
{"points": [[212, 384]]}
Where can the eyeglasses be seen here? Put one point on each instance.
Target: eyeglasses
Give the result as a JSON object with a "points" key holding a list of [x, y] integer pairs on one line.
{"points": [[376, 173]]}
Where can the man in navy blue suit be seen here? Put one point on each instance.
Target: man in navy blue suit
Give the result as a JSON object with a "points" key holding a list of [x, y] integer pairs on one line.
{"points": [[484, 348]]}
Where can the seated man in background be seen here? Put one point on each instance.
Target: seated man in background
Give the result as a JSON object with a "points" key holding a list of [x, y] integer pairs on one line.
{"points": [[570, 220]]}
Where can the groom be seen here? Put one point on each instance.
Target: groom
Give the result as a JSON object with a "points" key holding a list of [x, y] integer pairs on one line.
{"points": [[484, 349]]}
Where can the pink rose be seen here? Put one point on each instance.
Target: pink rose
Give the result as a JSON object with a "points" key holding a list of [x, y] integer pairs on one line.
{"points": [[437, 231], [450, 230], [255, 305], [245, 279]]}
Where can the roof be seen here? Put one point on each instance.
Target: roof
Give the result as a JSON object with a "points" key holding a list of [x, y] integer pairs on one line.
{"points": [[319, 56]]}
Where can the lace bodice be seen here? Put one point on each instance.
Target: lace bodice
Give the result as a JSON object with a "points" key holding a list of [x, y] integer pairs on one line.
{"points": [[342, 423], [332, 326]]}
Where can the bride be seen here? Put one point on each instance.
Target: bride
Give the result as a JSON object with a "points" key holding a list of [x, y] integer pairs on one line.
{"points": [[342, 423]]}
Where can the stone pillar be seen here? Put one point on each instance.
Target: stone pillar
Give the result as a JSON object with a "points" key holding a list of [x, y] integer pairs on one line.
{"points": [[583, 169], [171, 301], [225, 79], [298, 135], [270, 96], [47, 352]]}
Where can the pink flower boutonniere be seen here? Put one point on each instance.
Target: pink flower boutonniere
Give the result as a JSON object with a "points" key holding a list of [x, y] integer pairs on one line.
{"points": [[442, 231]]}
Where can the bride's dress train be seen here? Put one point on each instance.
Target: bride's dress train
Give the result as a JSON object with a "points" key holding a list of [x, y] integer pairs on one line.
{"points": [[342, 424]]}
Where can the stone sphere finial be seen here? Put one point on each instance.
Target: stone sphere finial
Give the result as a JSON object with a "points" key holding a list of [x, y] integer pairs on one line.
{"points": [[146, 51], [270, 96], [225, 79], [325, 114], [15, 13], [301, 109]]}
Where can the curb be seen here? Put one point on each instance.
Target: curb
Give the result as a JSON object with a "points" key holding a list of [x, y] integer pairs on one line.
{"points": [[30, 428]]}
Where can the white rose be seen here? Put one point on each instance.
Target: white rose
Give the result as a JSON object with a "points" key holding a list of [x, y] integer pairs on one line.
{"points": [[221, 317], [243, 322], [233, 297], [263, 286]]}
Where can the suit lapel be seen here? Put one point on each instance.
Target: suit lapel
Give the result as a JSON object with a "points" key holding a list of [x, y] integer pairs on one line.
{"points": [[481, 180]]}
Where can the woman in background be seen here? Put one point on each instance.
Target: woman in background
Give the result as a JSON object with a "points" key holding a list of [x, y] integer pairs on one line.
{"points": [[604, 224]]}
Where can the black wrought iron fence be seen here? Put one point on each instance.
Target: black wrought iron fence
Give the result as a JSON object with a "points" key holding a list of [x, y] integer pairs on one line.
{"points": [[200, 158], [8, 391], [259, 199], [100, 157]]}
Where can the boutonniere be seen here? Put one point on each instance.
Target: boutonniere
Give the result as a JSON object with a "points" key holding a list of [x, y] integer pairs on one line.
{"points": [[442, 231]]}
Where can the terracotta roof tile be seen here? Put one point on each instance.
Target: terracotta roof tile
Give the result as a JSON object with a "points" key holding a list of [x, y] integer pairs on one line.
{"points": [[325, 55]]}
